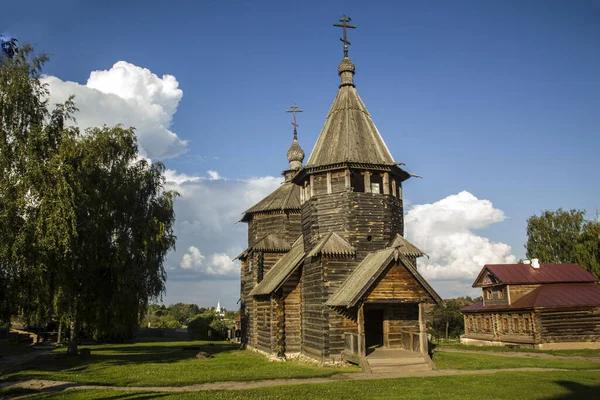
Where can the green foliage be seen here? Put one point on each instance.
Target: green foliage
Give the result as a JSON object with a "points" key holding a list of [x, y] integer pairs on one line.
{"points": [[85, 225], [564, 237], [174, 316], [447, 320], [209, 321]]}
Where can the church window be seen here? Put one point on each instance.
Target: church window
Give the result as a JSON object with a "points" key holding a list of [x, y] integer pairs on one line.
{"points": [[501, 293], [488, 294], [376, 183], [358, 182], [505, 324], [516, 324], [259, 269], [526, 324]]}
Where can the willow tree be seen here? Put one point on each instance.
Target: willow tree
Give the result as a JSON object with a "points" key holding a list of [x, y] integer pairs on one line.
{"points": [[26, 125], [87, 222]]}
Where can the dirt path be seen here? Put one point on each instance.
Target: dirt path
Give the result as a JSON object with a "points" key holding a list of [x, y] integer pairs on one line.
{"points": [[521, 354], [56, 386]]}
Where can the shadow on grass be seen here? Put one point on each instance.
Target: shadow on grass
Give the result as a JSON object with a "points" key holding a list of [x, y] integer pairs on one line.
{"points": [[111, 355], [578, 391], [124, 396]]}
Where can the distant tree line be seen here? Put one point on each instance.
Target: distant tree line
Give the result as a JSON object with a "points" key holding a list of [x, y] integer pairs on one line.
{"points": [[85, 223], [446, 320], [198, 320]]}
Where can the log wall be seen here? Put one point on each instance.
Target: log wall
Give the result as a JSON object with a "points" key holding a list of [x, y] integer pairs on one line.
{"points": [[285, 225], [263, 323], [398, 284], [398, 319], [291, 295], [518, 291], [570, 325]]}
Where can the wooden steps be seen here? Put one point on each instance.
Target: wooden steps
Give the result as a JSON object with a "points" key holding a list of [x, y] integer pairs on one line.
{"points": [[384, 361]]}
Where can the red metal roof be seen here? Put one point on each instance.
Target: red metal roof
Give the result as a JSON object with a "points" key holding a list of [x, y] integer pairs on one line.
{"points": [[549, 296], [546, 273]]}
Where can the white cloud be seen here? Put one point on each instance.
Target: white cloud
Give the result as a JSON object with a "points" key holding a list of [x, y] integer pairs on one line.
{"points": [[213, 175], [222, 264], [206, 216], [445, 231], [129, 95], [193, 258]]}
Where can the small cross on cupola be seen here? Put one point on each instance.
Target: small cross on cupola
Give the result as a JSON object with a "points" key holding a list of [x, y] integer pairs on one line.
{"points": [[346, 67], [344, 24], [295, 154]]}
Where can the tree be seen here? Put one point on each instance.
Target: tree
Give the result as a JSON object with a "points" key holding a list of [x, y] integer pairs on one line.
{"points": [[85, 225], [564, 237], [447, 319]]}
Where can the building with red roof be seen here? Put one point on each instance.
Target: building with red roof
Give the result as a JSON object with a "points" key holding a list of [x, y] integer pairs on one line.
{"points": [[549, 306]]}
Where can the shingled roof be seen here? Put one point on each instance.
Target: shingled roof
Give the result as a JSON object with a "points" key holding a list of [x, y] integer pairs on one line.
{"points": [[332, 245], [284, 198], [405, 247], [349, 133], [282, 270], [366, 275]]}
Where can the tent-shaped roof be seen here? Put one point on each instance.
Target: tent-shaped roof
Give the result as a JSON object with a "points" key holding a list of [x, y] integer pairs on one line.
{"points": [[366, 275], [282, 270], [349, 133], [284, 198], [549, 296], [405, 247], [271, 243], [332, 245], [527, 274]]}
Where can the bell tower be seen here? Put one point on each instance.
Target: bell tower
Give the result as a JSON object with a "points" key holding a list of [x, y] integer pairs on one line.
{"points": [[351, 196]]}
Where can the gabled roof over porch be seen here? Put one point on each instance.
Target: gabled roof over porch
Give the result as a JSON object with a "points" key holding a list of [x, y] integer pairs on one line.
{"points": [[367, 276], [282, 270]]}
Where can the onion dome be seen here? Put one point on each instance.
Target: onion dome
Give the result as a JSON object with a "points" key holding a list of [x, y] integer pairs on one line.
{"points": [[346, 72], [295, 154]]}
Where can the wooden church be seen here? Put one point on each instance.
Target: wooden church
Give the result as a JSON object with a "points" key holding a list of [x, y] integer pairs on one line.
{"points": [[328, 273]]}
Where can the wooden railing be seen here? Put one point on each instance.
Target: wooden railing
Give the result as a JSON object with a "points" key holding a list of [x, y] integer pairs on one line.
{"points": [[354, 347], [410, 340]]}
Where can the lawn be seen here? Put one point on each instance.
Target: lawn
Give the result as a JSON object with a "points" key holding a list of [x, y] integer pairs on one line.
{"points": [[501, 385], [503, 349], [474, 361], [167, 364]]}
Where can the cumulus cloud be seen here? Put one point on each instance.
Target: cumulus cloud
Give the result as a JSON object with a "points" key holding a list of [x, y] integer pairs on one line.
{"points": [[193, 258], [445, 230], [206, 223], [213, 175], [129, 95]]}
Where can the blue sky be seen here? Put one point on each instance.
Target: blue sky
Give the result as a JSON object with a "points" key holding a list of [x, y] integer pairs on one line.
{"points": [[498, 98]]}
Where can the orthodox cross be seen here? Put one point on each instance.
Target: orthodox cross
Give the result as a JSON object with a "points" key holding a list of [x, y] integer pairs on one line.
{"points": [[344, 25], [294, 110]]}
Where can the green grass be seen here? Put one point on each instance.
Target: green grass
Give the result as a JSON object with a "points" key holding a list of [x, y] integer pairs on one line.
{"points": [[502, 385], [167, 364], [470, 361], [8, 349], [503, 349]]}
